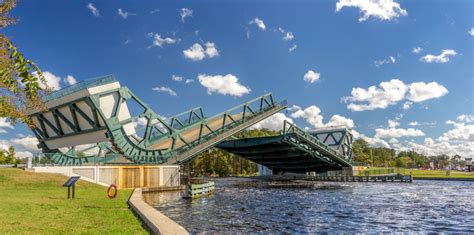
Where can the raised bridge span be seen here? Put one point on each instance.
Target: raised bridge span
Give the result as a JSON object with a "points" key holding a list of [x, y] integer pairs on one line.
{"points": [[98, 121]]}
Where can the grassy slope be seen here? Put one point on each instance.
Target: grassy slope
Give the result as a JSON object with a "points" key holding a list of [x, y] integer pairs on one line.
{"points": [[436, 173], [36, 203]]}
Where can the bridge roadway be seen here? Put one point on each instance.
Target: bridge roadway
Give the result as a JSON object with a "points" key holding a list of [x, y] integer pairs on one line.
{"points": [[295, 150]]}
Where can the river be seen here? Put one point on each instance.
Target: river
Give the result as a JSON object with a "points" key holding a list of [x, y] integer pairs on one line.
{"points": [[247, 206]]}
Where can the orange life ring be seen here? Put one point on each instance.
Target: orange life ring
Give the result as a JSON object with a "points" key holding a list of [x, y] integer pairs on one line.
{"points": [[112, 196]]}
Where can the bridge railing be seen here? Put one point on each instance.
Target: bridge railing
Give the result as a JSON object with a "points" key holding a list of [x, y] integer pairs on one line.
{"points": [[290, 128]]}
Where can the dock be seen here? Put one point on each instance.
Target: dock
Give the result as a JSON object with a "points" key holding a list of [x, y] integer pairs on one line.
{"points": [[344, 178]]}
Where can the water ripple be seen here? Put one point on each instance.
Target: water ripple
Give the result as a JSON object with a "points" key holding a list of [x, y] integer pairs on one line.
{"points": [[243, 206]]}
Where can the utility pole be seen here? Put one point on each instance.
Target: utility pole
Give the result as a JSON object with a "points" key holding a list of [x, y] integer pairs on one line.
{"points": [[372, 158]]}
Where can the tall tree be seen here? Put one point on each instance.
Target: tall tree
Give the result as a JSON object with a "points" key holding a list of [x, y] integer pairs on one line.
{"points": [[21, 81]]}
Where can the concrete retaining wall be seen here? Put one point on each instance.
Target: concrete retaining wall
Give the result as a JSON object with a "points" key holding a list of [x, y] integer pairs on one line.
{"points": [[154, 220]]}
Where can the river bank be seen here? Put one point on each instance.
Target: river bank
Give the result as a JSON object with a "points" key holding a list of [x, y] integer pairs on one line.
{"points": [[36, 203]]}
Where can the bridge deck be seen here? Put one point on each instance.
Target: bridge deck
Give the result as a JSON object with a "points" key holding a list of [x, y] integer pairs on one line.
{"points": [[279, 154]]}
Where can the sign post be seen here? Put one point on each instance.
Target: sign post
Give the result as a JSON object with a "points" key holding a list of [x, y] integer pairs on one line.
{"points": [[71, 182]]}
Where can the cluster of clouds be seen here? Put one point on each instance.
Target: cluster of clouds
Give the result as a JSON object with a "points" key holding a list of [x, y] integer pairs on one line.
{"points": [[443, 57], [287, 35], [197, 52], [4, 124], [457, 140], [379, 9], [391, 92], [181, 79], [56, 82], [390, 60], [159, 41], [24, 145], [311, 115], [183, 12]]}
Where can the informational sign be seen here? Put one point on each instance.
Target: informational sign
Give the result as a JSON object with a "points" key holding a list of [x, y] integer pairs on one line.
{"points": [[468, 161], [71, 181]]}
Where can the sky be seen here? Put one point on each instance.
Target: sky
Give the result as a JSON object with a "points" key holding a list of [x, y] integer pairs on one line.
{"points": [[398, 72]]}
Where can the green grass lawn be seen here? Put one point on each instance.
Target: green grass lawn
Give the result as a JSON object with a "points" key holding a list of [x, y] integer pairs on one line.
{"points": [[435, 173], [35, 203]]}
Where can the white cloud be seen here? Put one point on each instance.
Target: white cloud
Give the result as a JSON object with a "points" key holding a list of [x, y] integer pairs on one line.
{"points": [[380, 9], [391, 92], [441, 58], [393, 141], [417, 50], [415, 123], [291, 49], [375, 142], [23, 154], [28, 142], [420, 91], [460, 132], [407, 105], [4, 124], [393, 123], [392, 132], [196, 52], [159, 41], [181, 79], [70, 80], [390, 60], [311, 76], [225, 85], [274, 122], [211, 50], [165, 89], [259, 23], [288, 36], [185, 13], [471, 31], [124, 14], [466, 118], [337, 120], [432, 148], [93, 9], [52, 81], [177, 78], [313, 116], [388, 93]]}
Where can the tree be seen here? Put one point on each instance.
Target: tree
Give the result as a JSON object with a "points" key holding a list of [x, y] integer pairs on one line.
{"points": [[21, 80], [360, 151], [8, 157]]}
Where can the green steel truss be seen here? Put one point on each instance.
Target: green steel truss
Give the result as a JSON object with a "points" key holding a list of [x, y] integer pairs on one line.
{"points": [[309, 143], [138, 147], [294, 150], [102, 153]]}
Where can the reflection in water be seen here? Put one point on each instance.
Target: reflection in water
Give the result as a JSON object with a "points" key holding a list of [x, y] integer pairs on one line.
{"points": [[243, 205]]}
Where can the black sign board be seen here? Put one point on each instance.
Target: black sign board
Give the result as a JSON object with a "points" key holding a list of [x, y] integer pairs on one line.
{"points": [[71, 182]]}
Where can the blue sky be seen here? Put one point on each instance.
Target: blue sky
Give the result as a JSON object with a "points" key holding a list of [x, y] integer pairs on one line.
{"points": [[242, 50]]}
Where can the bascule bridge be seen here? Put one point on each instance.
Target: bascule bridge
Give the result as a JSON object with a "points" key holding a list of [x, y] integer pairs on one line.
{"points": [[99, 122]]}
